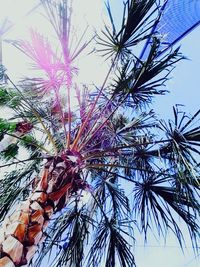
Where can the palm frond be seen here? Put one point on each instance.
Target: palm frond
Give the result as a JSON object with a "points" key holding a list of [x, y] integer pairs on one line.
{"points": [[145, 80], [184, 136], [68, 234], [134, 28], [110, 247], [15, 187], [156, 203], [9, 98]]}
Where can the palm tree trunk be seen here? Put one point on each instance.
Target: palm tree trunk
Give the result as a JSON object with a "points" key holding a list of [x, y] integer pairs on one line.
{"points": [[22, 231]]}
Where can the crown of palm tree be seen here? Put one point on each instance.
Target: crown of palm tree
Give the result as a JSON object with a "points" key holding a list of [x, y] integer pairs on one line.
{"points": [[98, 171]]}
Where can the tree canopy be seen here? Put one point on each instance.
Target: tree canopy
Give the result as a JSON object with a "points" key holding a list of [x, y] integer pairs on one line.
{"points": [[132, 170]]}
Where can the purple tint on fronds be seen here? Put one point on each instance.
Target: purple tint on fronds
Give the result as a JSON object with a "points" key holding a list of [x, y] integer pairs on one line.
{"points": [[178, 18], [100, 141], [41, 52], [98, 128], [23, 127], [60, 16], [84, 103], [45, 85]]}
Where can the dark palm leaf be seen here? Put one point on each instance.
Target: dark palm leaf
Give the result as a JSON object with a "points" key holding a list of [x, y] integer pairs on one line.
{"points": [[154, 201], [142, 82], [108, 237], [134, 28], [68, 234], [15, 186], [120, 203], [184, 138]]}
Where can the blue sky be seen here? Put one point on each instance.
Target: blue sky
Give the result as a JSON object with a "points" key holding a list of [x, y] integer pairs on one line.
{"points": [[184, 89], [184, 85]]}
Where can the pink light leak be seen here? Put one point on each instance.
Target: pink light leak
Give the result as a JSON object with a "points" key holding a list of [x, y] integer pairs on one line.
{"points": [[57, 71]]}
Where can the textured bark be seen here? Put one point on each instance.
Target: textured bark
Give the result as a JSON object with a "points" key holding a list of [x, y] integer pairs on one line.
{"points": [[22, 231]]}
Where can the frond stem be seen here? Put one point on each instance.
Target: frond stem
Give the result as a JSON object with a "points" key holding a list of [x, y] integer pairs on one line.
{"points": [[115, 149], [18, 162], [36, 145], [37, 116], [69, 118], [74, 145]]}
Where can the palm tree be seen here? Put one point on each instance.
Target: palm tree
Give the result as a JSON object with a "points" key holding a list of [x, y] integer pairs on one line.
{"points": [[100, 163]]}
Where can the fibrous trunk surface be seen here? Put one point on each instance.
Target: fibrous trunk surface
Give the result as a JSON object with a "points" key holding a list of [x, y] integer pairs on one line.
{"points": [[23, 230]]}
